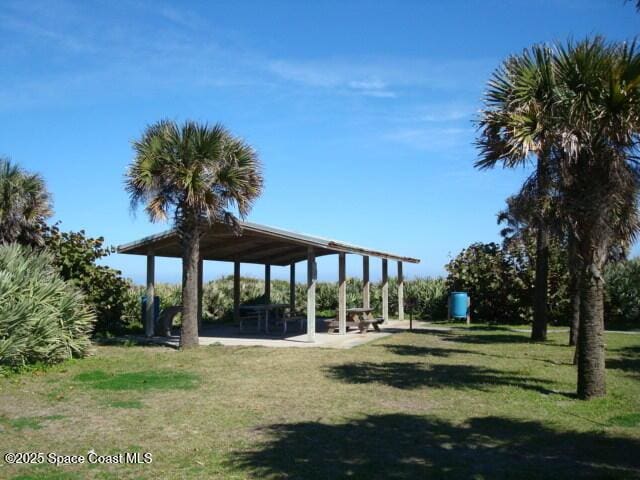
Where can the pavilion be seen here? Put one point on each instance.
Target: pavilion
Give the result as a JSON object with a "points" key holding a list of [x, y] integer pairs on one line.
{"points": [[260, 244]]}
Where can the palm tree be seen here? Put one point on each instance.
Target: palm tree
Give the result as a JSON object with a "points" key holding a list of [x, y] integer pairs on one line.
{"points": [[589, 141], [196, 174], [598, 120], [516, 219], [25, 204], [515, 128]]}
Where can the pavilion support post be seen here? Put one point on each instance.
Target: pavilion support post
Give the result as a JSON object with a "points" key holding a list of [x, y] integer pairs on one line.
{"points": [[292, 289], [400, 292], [236, 292], [200, 292], [366, 285], [267, 284], [342, 294], [385, 290], [149, 327], [312, 276]]}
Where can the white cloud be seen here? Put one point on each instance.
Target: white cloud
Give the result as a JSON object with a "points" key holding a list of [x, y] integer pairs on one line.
{"points": [[368, 84], [446, 114], [372, 88], [181, 17], [433, 139], [455, 111], [305, 74], [382, 77], [378, 93], [333, 75], [92, 52]]}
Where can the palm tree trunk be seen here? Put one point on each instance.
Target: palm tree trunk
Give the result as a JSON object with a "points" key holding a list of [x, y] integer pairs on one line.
{"points": [[539, 329], [591, 367], [575, 314], [574, 293], [190, 259]]}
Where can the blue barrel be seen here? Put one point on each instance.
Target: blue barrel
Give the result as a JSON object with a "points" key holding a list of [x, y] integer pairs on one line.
{"points": [[156, 308], [458, 304]]}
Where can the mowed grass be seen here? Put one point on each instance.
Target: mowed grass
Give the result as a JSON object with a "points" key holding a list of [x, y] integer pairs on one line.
{"points": [[144, 380], [476, 402]]}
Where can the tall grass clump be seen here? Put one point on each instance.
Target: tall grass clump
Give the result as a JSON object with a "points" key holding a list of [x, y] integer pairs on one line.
{"points": [[43, 319], [218, 295], [425, 298]]}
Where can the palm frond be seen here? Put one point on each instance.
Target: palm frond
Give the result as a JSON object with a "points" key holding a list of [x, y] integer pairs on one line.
{"points": [[25, 204], [193, 170]]}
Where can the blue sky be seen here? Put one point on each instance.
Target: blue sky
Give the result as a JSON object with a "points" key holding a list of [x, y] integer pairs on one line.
{"points": [[361, 111]]}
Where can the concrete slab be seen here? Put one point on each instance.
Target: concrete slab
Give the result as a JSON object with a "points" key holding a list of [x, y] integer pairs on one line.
{"points": [[230, 335]]}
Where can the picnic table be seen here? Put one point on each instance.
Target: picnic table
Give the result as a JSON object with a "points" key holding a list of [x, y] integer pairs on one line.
{"points": [[363, 317], [360, 318], [263, 312]]}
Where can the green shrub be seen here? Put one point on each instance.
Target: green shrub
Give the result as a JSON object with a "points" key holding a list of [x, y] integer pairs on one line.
{"points": [[426, 298], [170, 294], [218, 295], [326, 296], [131, 318], [75, 255], [217, 302], [498, 283], [622, 292], [42, 317]]}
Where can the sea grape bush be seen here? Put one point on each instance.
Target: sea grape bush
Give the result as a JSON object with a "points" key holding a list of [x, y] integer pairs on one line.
{"points": [[75, 255]]}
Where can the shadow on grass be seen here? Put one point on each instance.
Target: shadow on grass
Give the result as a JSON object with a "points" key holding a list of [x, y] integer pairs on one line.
{"points": [[475, 335], [444, 326], [627, 360], [483, 338], [400, 446], [418, 351], [409, 376], [134, 341], [415, 350]]}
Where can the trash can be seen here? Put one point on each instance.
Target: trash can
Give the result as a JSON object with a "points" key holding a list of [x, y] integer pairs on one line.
{"points": [[156, 309], [459, 305]]}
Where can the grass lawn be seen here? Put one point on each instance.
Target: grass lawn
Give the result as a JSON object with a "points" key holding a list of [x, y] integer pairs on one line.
{"points": [[478, 403]]}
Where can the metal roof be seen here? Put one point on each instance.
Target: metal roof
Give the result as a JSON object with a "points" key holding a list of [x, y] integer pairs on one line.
{"points": [[259, 244]]}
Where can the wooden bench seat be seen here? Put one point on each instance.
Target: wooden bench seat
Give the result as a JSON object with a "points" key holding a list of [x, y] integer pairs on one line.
{"points": [[365, 322], [299, 319], [249, 318], [334, 324], [361, 324]]}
